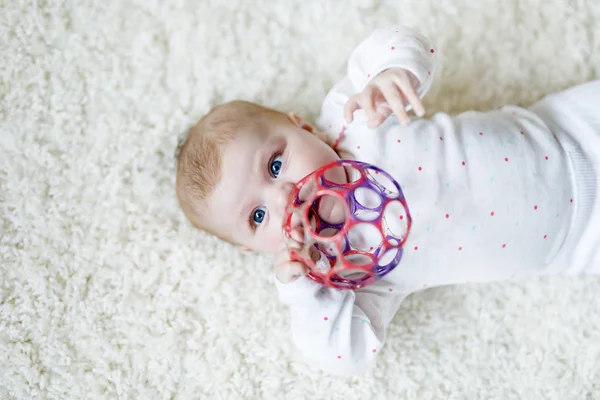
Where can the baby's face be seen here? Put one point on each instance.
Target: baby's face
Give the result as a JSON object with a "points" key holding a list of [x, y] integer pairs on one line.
{"points": [[259, 169]]}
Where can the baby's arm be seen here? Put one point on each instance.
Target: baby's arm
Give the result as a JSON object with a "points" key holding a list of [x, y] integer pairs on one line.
{"points": [[398, 47], [340, 331]]}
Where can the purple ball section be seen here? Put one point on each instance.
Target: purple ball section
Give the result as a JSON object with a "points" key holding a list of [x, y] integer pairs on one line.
{"points": [[354, 206]]}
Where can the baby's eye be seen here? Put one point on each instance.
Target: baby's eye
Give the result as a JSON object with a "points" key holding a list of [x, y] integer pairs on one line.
{"points": [[275, 166], [258, 215]]}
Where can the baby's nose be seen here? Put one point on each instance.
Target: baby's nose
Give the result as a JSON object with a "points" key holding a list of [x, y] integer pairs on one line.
{"points": [[282, 196]]}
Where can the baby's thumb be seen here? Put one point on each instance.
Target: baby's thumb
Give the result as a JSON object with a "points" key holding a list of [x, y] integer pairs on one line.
{"points": [[298, 235], [296, 270], [298, 267]]}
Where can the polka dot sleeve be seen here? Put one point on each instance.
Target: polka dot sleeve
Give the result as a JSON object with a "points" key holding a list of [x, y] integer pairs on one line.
{"points": [[340, 331]]}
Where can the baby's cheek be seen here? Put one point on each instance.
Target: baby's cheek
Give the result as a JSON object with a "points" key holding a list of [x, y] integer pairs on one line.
{"points": [[275, 241]]}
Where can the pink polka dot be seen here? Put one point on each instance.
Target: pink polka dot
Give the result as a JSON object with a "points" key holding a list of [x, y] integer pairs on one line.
{"points": [[545, 236], [546, 157], [358, 147], [535, 207], [339, 357], [570, 201], [441, 138], [522, 133], [393, 48], [374, 350], [480, 133], [506, 159], [402, 217], [420, 169], [370, 248], [447, 216], [416, 247], [460, 249], [326, 318], [431, 51], [492, 213], [398, 140], [391, 290], [428, 72], [504, 245], [464, 163]]}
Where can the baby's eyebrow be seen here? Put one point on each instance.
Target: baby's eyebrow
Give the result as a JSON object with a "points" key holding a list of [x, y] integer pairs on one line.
{"points": [[244, 214], [246, 198]]}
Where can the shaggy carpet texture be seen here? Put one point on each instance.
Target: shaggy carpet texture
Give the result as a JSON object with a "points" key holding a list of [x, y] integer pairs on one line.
{"points": [[106, 292]]}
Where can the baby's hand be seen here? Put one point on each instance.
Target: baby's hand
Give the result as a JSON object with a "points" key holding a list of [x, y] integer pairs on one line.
{"points": [[287, 270], [388, 92]]}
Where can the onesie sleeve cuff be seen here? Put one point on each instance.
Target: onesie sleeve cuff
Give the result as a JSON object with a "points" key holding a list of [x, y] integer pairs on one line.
{"points": [[300, 290], [397, 47]]}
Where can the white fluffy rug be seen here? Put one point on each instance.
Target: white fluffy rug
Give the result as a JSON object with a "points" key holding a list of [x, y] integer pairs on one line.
{"points": [[107, 293]]}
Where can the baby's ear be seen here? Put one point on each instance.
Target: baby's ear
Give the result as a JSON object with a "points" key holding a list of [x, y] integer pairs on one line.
{"points": [[296, 119]]}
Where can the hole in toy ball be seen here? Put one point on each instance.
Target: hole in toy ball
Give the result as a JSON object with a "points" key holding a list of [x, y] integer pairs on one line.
{"points": [[395, 220], [331, 210], [328, 232], [367, 204], [356, 261], [366, 215], [314, 253], [333, 246], [353, 274], [383, 183], [293, 227], [364, 237], [307, 191], [321, 261], [339, 176], [392, 241], [387, 257], [367, 198]]}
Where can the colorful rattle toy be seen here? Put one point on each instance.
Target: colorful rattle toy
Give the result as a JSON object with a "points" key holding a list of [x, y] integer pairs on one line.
{"points": [[349, 234]]}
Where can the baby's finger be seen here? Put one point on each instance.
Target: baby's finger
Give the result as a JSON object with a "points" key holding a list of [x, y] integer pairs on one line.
{"points": [[281, 257], [382, 111], [295, 269], [411, 95], [298, 235], [367, 102], [349, 108], [394, 98]]}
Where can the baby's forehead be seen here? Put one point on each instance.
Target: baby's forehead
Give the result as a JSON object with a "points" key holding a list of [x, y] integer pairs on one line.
{"points": [[219, 209]]}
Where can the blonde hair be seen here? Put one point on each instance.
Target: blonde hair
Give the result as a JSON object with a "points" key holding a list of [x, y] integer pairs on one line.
{"points": [[199, 155]]}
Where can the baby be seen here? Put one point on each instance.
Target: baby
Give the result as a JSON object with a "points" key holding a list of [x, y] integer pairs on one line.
{"points": [[493, 196]]}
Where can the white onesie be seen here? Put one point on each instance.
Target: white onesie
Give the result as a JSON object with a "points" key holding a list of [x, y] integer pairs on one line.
{"points": [[493, 196]]}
